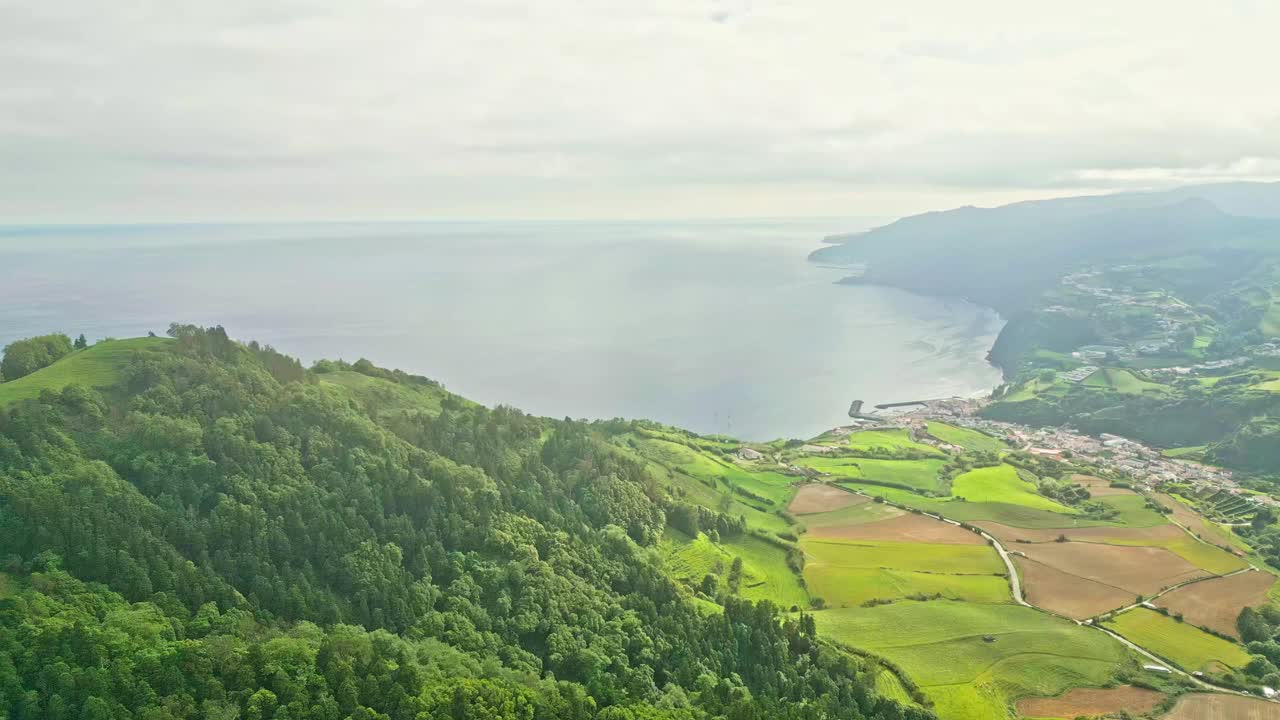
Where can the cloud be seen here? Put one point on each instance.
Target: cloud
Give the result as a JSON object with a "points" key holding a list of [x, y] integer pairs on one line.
{"points": [[144, 109]]}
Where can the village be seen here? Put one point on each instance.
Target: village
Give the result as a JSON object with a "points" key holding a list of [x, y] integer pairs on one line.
{"points": [[1145, 466]]}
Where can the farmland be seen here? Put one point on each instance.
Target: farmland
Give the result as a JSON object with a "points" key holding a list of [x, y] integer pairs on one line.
{"points": [[933, 598], [973, 659], [1091, 701], [965, 438], [1186, 646], [819, 498], [1202, 706], [1001, 484], [1216, 603]]}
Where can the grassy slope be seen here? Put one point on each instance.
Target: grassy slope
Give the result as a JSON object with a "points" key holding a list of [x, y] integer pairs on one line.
{"points": [[965, 438], [918, 474], [101, 365], [1001, 484], [1123, 381], [1008, 514], [1188, 646], [869, 440], [941, 646], [765, 574]]}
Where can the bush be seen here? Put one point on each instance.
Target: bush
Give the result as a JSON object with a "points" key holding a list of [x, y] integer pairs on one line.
{"points": [[23, 357]]}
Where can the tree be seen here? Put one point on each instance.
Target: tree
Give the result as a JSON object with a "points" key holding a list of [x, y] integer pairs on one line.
{"points": [[23, 357], [81, 343]]}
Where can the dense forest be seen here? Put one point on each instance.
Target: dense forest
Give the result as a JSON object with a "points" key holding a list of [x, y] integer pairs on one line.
{"points": [[223, 533]]}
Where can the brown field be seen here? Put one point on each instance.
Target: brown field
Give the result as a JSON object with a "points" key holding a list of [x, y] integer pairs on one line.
{"points": [[1139, 570], [1200, 706], [818, 497], [1099, 487], [1216, 603], [1010, 535], [1091, 701], [904, 528], [1065, 594]]}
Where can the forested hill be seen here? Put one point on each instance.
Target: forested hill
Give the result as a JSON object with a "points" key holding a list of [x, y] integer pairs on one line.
{"points": [[1005, 257], [195, 528]]}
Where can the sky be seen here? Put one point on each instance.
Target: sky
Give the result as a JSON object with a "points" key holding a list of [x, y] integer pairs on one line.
{"points": [[174, 110]]}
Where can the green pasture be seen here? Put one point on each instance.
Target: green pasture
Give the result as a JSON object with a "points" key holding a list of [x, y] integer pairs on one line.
{"points": [[973, 660], [100, 365], [918, 474], [703, 465], [765, 573], [965, 438], [1005, 513], [1123, 381], [1001, 484], [851, 587], [920, 557], [1185, 645], [888, 440]]}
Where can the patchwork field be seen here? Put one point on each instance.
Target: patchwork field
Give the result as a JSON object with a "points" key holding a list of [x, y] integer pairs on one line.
{"points": [[821, 498], [913, 474], [973, 660], [1204, 706], [1092, 701], [1065, 594], [1211, 532], [1154, 535], [907, 527], [1188, 647], [1138, 570], [920, 557], [1004, 513], [1216, 603]]}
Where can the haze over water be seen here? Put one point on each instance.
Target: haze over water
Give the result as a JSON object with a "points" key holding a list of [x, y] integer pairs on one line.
{"points": [[714, 326]]}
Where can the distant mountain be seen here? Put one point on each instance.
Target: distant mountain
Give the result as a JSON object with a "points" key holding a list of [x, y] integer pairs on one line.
{"points": [[1005, 256]]}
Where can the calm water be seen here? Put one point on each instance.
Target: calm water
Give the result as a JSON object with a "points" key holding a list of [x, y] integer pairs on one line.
{"points": [[714, 326]]}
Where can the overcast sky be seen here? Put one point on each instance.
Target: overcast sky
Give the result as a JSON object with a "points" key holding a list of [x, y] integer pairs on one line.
{"points": [[127, 110]]}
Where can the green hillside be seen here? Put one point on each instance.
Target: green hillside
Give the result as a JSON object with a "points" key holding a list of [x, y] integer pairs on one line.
{"points": [[100, 365], [234, 536]]}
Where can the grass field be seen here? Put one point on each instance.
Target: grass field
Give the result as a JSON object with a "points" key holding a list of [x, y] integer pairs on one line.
{"points": [[1005, 513], [1123, 381], [917, 474], [941, 646], [98, 366], [888, 685], [702, 465], [1001, 484], [1133, 511], [965, 438], [921, 557], [1185, 645], [765, 574], [871, 440], [841, 587]]}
